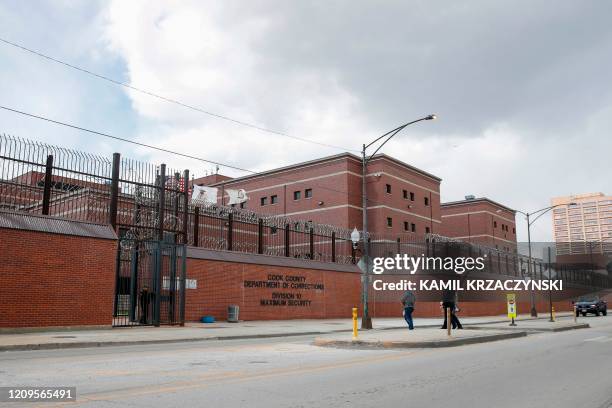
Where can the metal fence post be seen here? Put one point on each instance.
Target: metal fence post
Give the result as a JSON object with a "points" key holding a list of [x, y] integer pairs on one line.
{"points": [[114, 193], [333, 246], [183, 285], [260, 236], [230, 230], [196, 226], [311, 242], [287, 252], [47, 186], [157, 279], [162, 201], [185, 205], [176, 203]]}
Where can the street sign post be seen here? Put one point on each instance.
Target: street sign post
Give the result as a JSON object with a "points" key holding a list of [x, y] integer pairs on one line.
{"points": [[511, 299]]}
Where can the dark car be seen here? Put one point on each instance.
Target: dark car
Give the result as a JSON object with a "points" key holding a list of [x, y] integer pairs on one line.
{"points": [[591, 305]]}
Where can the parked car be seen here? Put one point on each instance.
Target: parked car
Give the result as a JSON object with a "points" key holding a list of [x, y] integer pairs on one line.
{"points": [[593, 305]]}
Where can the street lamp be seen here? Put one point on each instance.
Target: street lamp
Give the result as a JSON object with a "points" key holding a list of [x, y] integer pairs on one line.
{"points": [[366, 321], [540, 212]]}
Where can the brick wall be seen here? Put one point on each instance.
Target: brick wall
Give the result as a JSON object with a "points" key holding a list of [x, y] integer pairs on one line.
{"points": [[55, 280], [233, 281], [221, 283]]}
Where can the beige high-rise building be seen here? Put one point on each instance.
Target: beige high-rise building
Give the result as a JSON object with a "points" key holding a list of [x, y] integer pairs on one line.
{"points": [[583, 224]]}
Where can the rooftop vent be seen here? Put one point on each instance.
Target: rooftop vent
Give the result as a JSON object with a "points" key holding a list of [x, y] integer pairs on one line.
{"points": [[470, 197]]}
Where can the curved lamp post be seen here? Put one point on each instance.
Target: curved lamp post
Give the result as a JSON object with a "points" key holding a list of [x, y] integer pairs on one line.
{"points": [[366, 321], [540, 212]]}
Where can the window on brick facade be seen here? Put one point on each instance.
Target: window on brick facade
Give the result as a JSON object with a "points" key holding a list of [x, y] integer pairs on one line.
{"points": [[494, 224], [388, 188], [413, 227], [406, 226], [274, 199], [405, 194], [297, 195], [242, 205], [389, 222], [426, 200], [427, 230], [513, 230], [308, 193], [411, 196], [263, 200]]}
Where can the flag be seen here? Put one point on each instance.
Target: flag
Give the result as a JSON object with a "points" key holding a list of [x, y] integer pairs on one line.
{"points": [[204, 195], [237, 196]]}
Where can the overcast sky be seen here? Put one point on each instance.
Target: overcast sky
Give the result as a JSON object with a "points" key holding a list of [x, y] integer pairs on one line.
{"points": [[522, 89]]}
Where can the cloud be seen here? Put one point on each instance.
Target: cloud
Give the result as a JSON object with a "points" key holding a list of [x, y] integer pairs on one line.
{"points": [[522, 98]]}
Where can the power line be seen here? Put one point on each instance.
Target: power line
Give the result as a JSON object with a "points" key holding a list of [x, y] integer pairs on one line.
{"points": [[170, 100], [161, 149]]}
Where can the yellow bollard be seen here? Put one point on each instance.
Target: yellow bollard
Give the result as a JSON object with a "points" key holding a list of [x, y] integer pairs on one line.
{"points": [[354, 323], [553, 314]]}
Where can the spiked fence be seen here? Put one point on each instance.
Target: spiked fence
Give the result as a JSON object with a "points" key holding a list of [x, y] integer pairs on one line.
{"points": [[145, 202]]}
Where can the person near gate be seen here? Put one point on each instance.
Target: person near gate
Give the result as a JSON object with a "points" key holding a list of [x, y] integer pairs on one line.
{"points": [[408, 301]]}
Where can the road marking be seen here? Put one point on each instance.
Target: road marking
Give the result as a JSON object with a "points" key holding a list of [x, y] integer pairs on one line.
{"points": [[599, 339], [229, 377]]}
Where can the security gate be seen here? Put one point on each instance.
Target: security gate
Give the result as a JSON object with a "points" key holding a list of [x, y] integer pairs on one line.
{"points": [[150, 283]]}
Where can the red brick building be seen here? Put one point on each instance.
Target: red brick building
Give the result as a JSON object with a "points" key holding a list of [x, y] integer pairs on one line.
{"points": [[401, 198], [480, 221]]}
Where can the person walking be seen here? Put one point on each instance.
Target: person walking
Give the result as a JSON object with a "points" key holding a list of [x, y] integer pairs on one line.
{"points": [[408, 301], [449, 301]]}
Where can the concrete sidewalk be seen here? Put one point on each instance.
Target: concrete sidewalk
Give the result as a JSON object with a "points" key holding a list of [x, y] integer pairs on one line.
{"points": [[536, 325], [418, 338], [216, 331]]}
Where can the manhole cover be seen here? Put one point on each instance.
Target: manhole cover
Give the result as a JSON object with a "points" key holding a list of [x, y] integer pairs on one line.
{"points": [[64, 337]]}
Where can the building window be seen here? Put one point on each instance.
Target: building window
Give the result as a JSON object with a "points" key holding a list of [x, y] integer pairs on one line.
{"points": [[426, 201], [405, 194], [274, 199], [389, 222], [406, 226], [494, 224], [411, 196], [263, 201], [297, 195], [427, 230], [308, 193], [413, 227], [242, 205], [388, 188], [513, 230]]}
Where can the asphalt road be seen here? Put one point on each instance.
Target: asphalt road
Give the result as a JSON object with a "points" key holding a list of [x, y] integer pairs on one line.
{"points": [[569, 369]]}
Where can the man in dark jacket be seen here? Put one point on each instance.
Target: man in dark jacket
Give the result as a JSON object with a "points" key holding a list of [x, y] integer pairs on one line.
{"points": [[449, 298], [408, 301]]}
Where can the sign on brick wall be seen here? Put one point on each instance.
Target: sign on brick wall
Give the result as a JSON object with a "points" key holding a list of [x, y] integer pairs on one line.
{"points": [[286, 290]]}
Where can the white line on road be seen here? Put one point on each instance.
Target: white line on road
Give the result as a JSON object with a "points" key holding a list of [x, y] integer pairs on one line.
{"points": [[600, 338]]}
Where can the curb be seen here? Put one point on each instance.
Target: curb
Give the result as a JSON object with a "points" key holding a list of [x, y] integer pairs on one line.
{"points": [[93, 344], [534, 329], [417, 344]]}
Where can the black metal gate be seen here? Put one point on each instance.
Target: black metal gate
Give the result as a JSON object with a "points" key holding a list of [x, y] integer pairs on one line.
{"points": [[150, 283]]}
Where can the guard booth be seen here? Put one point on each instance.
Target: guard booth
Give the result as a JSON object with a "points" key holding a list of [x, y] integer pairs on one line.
{"points": [[150, 283]]}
